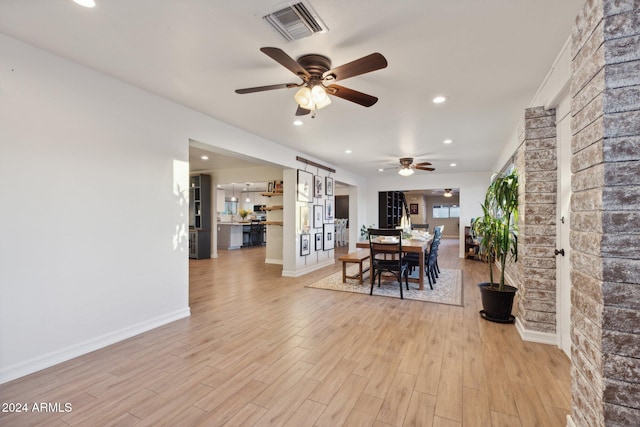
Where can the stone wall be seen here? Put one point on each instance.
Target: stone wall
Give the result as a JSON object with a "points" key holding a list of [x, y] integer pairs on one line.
{"points": [[535, 272], [605, 219]]}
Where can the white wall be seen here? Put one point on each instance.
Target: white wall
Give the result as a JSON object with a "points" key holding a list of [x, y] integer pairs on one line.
{"points": [[94, 212], [554, 86]]}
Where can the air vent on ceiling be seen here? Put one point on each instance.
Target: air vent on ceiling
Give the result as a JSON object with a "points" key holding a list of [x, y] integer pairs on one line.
{"points": [[296, 21]]}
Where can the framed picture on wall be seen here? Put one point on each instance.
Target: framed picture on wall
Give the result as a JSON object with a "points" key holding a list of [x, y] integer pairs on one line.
{"points": [[318, 214], [318, 183], [305, 244], [318, 241], [413, 209], [328, 186], [305, 221], [328, 210], [305, 186], [329, 232], [270, 187]]}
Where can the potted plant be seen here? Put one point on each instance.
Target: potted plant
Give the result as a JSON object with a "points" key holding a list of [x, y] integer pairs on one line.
{"points": [[243, 214], [364, 232], [498, 230]]}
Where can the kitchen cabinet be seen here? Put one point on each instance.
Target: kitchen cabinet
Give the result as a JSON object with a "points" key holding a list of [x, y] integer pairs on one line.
{"points": [[275, 209], [220, 200], [200, 217]]}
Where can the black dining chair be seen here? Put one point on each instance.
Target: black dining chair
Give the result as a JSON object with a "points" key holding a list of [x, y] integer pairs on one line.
{"points": [[431, 268], [256, 233], [437, 235], [386, 256]]}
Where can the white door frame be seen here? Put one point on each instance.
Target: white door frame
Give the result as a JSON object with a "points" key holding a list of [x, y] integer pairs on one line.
{"points": [[563, 223]]}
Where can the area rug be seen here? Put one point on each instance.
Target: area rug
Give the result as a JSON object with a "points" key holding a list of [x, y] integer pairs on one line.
{"points": [[446, 290]]}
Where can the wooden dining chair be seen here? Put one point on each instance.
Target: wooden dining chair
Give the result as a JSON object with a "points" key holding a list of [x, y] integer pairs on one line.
{"points": [[387, 256]]}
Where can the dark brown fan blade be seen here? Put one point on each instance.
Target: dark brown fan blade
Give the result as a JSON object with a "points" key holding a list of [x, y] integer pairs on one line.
{"points": [[424, 168], [286, 61], [364, 65], [423, 164], [302, 111], [263, 88], [352, 95]]}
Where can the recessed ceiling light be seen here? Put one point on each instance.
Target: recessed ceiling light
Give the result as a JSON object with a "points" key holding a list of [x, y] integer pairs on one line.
{"points": [[348, 151], [439, 99], [86, 3], [447, 141], [380, 170], [298, 122], [204, 157], [452, 165]]}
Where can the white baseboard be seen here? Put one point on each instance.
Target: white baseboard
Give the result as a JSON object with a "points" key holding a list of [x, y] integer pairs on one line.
{"points": [[534, 336], [53, 358], [309, 269], [273, 261], [570, 422]]}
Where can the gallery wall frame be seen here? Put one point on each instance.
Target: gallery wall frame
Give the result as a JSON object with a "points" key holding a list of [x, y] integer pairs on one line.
{"points": [[318, 216], [318, 241], [318, 186], [328, 186], [328, 232], [305, 186], [328, 210], [305, 244], [305, 222]]}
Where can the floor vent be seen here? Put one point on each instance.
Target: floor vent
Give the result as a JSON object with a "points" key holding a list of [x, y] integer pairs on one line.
{"points": [[296, 21]]}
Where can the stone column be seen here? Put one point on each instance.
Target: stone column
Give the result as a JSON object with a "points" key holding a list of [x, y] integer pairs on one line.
{"points": [[537, 163], [605, 218]]}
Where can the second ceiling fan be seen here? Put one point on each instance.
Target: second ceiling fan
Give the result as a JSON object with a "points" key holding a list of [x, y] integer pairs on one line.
{"points": [[407, 166], [318, 79]]}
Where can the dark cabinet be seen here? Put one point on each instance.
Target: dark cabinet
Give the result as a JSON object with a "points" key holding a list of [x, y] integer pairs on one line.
{"points": [[200, 217], [391, 207], [471, 247]]}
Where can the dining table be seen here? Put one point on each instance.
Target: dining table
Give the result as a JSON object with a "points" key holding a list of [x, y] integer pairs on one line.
{"points": [[418, 245]]}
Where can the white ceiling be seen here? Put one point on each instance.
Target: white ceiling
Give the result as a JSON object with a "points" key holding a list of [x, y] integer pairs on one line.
{"points": [[487, 57]]}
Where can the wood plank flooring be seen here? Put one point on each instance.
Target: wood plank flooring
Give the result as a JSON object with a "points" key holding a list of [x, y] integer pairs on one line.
{"points": [[261, 349]]}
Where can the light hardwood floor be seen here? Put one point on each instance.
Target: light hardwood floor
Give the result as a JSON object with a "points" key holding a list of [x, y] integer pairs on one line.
{"points": [[261, 349]]}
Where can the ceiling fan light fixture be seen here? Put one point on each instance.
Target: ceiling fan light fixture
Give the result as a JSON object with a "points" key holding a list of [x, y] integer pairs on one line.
{"points": [[312, 99], [320, 97], [405, 172], [303, 98]]}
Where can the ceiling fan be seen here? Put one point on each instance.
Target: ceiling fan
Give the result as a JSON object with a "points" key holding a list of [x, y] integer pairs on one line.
{"points": [[317, 79], [407, 167]]}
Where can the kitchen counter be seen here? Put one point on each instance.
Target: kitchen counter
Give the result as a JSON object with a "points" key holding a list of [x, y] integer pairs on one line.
{"points": [[230, 235], [233, 235]]}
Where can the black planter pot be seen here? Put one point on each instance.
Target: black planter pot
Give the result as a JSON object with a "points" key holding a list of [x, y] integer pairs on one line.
{"points": [[497, 304]]}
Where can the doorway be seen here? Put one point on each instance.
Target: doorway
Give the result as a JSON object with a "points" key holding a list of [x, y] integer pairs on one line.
{"points": [[563, 227]]}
